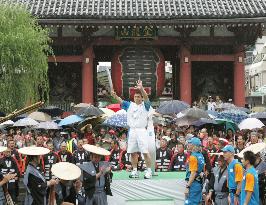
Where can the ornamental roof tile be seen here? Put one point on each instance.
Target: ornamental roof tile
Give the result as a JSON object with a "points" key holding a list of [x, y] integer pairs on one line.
{"points": [[144, 9]]}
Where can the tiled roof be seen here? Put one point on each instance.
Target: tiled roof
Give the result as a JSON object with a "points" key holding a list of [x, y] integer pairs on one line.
{"points": [[144, 9]]}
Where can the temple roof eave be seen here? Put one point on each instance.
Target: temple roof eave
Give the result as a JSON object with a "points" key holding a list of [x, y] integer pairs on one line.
{"points": [[173, 22]]}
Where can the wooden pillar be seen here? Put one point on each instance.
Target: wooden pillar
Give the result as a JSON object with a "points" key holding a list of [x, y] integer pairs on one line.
{"points": [[239, 77], [87, 75], [185, 74]]}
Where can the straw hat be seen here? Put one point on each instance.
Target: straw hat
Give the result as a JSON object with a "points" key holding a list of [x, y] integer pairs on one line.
{"points": [[96, 150], [255, 148], [34, 151], [2, 149], [66, 171]]}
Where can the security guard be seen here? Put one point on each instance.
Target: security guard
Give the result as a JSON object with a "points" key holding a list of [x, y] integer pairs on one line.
{"points": [[195, 167], [250, 184], [218, 184], [235, 174]]}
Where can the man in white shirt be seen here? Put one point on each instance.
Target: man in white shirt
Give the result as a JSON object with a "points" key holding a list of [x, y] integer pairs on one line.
{"points": [[137, 120], [211, 104]]}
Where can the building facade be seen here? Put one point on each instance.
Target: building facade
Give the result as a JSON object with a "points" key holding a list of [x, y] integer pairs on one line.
{"points": [[204, 41]]}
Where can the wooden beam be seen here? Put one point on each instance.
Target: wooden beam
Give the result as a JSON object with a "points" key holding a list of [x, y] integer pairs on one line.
{"points": [[211, 58], [65, 59], [161, 41]]}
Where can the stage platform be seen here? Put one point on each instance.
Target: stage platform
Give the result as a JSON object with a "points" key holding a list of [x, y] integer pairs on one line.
{"points": [[165, 189]]}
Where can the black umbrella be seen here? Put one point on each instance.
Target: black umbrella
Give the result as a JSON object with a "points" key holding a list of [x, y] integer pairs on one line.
{"points": [[90, 111], [172, 107], [52, 111]]}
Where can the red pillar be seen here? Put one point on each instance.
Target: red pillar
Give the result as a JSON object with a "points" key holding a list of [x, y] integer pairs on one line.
{"points": [[185, 74], [87, 75], [239, 77]]}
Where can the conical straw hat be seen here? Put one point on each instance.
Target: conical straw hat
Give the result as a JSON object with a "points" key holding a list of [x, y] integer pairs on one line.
{"points": [[96, 150], [66, 171], [34, 151]]}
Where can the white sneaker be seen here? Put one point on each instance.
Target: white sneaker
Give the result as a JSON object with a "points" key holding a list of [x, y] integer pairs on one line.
{"points": [[148, 175], [134, 174]]}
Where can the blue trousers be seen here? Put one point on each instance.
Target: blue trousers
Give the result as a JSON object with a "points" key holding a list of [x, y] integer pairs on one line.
{"points": [[231, 198], [195, 194]]}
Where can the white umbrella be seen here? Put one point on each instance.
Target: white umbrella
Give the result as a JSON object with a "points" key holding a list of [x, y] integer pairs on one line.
{"points": [[255, 148], [40, 116], [25, 122], [250, 124], [107, 112], [7, 123], [48, 126]]}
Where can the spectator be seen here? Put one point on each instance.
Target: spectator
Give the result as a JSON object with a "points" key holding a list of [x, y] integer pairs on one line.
{"points": [[123, 141], [178, 160], [115, 155], [260, 167], [39, 140], [211, 149], [253, 139], [125, 161], [19, 138], [9, 165], [163, 157], [48, 160], [64, 155], [89, 135], [204, 137], [211, 104], [104, 139], [240, 144], [58, 139], [80, 155], [173, 142]]}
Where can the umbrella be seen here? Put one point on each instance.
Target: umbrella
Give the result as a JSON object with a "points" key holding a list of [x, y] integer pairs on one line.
{"points": [[228, 124], [195, 113], [107, 112], [71, 119], [52, 111], [172, 107], [82, 105], [235, 115], [259, 115], [114, 107], [255, 148], [48, 126], [40, 116], [19, 117], [212, 113], [227, 106], [25, 122], [117, 120], [204, 121], [250, 124], [7, 123], [185, 121], [2, 114], [90, 111]]}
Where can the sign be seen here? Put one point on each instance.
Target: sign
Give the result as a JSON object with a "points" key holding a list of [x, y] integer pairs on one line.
{"points": [[136, 32]]}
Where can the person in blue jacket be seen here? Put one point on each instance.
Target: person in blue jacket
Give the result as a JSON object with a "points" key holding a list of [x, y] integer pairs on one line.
{"points": [[250, 184], [194, 172]]}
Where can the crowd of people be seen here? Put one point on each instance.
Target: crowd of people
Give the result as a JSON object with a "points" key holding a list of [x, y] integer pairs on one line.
{"points": [[172, 150], [208, 155]]}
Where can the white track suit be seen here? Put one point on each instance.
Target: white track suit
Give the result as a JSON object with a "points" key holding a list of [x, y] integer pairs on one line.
{"points": [[137, 120]]}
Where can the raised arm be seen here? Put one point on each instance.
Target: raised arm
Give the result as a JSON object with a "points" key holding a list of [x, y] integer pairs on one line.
{"points": [[113, 94], [143, 92]]}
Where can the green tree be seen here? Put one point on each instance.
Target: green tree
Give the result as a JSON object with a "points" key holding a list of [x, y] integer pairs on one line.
{"points": [[24, 47]]}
